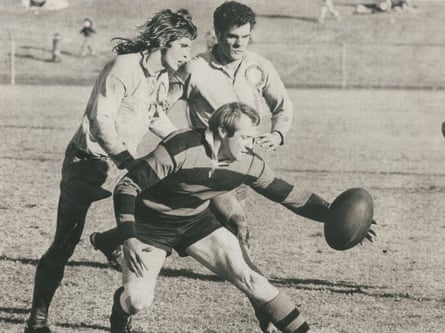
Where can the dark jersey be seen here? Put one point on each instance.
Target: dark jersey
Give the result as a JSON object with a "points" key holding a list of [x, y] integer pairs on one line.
{"points": [[87, 31], [180, 177]]}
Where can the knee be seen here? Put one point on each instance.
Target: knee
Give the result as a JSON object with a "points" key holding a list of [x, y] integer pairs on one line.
{"points": [[138, 300]]}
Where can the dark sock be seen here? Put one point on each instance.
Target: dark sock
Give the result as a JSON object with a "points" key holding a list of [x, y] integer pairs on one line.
{"points": [[117, 311], [45, 285]]}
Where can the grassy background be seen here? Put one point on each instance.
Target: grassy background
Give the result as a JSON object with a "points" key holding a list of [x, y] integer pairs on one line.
{"points": [[386, 141], [397, 49]]}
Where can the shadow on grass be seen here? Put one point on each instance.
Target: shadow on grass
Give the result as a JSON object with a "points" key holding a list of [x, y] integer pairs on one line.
{"points": [[40, 58], [339, 287], [27, 47], [34, 262], [15, 311], [344, 288], [32, 57]]}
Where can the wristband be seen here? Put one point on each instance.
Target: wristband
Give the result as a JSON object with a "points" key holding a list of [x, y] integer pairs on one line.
{"points": [[127, 229]]}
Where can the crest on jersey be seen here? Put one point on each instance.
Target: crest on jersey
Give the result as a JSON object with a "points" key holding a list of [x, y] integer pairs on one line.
{"points": [[255, 76]]}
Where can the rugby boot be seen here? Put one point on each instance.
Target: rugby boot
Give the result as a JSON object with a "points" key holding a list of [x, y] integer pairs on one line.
{"points": [[120, 322], [114, 257], [120, 325], [43, 329]]}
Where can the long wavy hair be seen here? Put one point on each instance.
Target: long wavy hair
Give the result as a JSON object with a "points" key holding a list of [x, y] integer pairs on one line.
{"points": [[158, 32]]}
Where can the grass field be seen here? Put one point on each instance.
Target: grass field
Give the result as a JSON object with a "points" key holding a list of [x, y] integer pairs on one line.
{"points": [[386, 141], [396, 49]]}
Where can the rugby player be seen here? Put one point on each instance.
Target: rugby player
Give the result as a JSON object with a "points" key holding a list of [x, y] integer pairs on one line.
{"points": [[163, 204], [229, 73], [127, 100]]}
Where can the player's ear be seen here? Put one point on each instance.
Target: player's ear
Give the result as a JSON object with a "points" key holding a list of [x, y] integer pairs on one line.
{"points": [[222, 133]]}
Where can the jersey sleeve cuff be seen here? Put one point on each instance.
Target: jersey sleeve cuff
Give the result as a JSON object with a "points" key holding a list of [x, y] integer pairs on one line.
{"points": [[128, 230]]}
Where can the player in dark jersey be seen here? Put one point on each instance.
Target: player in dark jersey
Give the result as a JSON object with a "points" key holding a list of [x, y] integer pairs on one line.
{"points": [[163, 204]]}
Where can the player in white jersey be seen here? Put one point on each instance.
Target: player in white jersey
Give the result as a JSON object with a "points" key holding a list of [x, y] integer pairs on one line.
{"points": [[127, 100]]}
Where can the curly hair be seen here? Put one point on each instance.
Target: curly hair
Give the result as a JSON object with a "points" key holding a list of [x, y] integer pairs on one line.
{"points": [[233, 14], [228, 115], [158, 32]]}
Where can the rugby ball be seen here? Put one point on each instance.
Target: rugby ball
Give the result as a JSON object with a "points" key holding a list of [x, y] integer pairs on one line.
{"points": [[349, 219]]}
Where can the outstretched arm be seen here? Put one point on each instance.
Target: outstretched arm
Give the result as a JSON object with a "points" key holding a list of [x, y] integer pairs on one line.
{"points": [[303, 203]]}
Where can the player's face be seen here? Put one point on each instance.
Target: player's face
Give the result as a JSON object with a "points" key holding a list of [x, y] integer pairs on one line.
{"points": [[177, 54], [234, 147], [232, 44]]}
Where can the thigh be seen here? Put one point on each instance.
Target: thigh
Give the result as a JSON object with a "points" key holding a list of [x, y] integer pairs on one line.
{"points": [[153, 259], [220, 252]]}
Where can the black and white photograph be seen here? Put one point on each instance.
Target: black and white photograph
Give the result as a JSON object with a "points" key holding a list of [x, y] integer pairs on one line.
{"points": [[221, 166]]}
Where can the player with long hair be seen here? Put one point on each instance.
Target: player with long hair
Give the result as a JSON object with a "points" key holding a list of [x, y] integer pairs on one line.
{"points": [[128, 99]]}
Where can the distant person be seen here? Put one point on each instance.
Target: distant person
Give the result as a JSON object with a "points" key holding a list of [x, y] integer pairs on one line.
{"points": [[37, 3], [379, 6], [56, 53], [404, 5], [87, 31], [327, 7], [128, 100]]}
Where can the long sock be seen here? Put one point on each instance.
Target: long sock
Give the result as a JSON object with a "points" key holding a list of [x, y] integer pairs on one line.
{"points": [[46, 283], [117, 309], [284, 314]]}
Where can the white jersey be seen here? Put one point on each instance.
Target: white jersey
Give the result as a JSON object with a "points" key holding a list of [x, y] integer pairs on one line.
{"points": [[125, 103], [209, 85]]}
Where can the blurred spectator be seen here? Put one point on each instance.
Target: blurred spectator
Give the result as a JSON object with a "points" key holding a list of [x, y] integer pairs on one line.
{"points": [[381, 6], [37, 3], [56, 57], [402, 5], [87, 31], [327, 7]]}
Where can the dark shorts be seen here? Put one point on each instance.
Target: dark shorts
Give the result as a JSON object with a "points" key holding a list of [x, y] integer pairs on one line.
{"points": [[87, 178], [175, 232]]}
